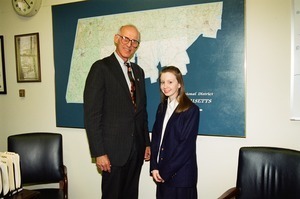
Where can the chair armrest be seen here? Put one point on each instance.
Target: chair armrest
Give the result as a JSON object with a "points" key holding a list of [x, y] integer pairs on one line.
{"points": [[230, 193], [64, 183]]}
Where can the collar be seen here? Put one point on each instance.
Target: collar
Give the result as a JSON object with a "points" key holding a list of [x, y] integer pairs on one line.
{"points": [[120, 60], [173, 104]]}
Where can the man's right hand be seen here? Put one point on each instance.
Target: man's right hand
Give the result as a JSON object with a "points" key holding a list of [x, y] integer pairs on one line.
{"points": [[103, 163]]}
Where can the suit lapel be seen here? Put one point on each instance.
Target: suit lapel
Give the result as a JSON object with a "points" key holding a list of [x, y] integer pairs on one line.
{"points": [[114, 66]]}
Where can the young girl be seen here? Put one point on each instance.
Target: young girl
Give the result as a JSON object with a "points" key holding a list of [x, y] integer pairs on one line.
{"points": [[173, 162]]}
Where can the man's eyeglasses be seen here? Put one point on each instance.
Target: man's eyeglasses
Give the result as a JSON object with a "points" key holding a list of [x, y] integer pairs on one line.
{"points": [[126, 40]]}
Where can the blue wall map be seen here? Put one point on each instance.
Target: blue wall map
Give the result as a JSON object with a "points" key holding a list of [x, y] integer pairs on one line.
{"points": [[214, 81]]}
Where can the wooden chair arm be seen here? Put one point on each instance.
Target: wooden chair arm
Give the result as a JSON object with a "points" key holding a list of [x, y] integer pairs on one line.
{"points": [[230, 193], [64, 183]]}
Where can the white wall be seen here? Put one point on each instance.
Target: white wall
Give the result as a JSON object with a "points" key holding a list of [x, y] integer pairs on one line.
{"points": [[267, 100]]}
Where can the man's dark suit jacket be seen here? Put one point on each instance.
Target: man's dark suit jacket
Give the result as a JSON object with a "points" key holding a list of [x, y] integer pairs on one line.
{"points": [[111, 123], [178, 162]]}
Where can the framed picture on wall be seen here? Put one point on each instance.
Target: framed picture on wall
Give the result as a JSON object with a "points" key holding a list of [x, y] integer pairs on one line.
{"points": [[205, 44], [28, 57], [2, 67]]}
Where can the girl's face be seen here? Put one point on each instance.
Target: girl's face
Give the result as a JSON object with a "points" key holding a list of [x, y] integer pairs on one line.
{"points": [[169, 85]]}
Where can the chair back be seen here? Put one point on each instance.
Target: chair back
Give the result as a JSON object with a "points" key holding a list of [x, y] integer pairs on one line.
{"points": [[268, 173], [41, 157]]}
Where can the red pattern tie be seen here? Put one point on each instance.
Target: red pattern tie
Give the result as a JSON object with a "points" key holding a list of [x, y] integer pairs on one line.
{"points": [[132, 84]]}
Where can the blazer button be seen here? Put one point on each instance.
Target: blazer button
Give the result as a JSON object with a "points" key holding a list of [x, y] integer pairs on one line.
{"points": [[161, 159], [162, 149]]}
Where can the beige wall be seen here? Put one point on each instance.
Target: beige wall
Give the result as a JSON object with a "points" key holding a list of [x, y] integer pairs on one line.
{"points": [[267, 101]]}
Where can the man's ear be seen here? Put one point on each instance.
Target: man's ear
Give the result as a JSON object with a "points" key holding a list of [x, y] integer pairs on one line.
{"points": [[116, 39]]}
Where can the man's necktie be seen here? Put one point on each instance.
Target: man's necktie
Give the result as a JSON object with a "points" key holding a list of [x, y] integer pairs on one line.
{"points": [[132, 84]]}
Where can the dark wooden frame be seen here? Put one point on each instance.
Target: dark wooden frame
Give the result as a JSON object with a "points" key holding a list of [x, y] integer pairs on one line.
{"points": [[2, 67], [28, 57]]}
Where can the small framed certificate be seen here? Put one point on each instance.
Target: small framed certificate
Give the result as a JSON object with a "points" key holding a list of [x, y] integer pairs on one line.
{"points": [[28, 57], [2, 67]]}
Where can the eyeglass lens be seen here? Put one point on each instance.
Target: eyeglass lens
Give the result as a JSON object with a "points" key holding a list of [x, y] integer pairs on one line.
{"points": [[126, 40]]}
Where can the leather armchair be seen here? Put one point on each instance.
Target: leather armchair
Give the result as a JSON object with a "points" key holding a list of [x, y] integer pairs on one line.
{"points": [[41, 162], [266, 173]]}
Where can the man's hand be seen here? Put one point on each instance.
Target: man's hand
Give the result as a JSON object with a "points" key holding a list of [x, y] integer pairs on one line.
{"points": [[147, 153], [103, 163]]}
